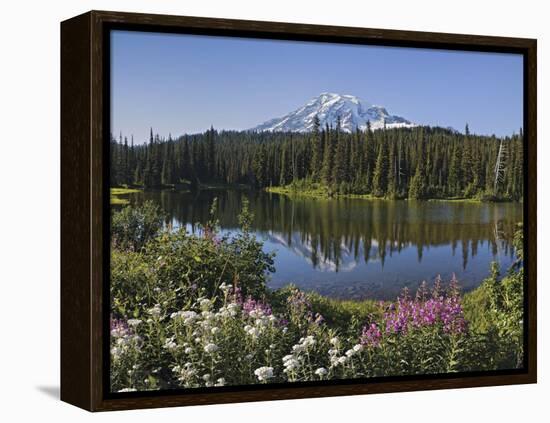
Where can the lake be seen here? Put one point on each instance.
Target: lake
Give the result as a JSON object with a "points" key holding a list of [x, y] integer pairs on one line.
{"points": [[356, 248]]}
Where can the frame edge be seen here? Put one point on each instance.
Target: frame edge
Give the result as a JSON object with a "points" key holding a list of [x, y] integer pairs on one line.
{"points": [[82, 218], [76, 182]]}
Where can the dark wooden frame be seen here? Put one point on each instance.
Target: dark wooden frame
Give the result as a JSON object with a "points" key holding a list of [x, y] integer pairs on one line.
{"points": [[84, 113]]}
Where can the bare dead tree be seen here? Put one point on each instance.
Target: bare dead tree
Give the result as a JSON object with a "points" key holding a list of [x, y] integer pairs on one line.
{"points": [[500, 164]]}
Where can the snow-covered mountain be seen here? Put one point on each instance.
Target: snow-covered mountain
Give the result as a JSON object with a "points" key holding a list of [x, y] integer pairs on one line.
{"points": [[353, 112]]}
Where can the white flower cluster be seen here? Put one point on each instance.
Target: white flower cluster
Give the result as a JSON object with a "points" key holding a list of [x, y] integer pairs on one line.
{"points": [[336, 359], [185, 374], [321, 371], [211, 348], [224, 287], [155, 311], [264, 373], [252, 331], [169, 344], [124, 342], [290, 363], [356, 349], [205, 303], [304, 344], [260, 324], [230, 310], [134, 322], [187, 316]]}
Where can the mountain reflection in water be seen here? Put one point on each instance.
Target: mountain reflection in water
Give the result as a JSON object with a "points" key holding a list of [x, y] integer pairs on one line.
{"points": [[354, 248]]}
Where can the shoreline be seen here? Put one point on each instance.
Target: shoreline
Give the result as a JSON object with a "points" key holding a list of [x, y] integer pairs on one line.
{"points": [[321, 195]]}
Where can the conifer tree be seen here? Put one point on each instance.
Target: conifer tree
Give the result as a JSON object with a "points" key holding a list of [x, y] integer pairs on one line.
{"points": [[316, 149], [328, 158], [380, 177]]}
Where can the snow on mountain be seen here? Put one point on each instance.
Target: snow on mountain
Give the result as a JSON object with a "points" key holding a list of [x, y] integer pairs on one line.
{"points": [[353, 112]]}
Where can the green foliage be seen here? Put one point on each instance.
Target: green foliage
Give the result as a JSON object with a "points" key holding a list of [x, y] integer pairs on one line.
{"points": [[420, 162], [495, 310], [346, 315], [177, 267], [133, 227], [417, 190], [192, 310], [380, 177], [224, 340]]}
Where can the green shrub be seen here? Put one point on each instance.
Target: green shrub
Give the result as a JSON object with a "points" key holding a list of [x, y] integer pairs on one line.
{"points": [[133, 227]]}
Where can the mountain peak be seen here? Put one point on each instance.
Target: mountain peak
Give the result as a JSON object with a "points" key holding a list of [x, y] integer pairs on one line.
{"points": [[354, 113]]}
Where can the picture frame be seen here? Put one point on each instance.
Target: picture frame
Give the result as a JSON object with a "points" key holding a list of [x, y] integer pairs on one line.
{"points": [[85, 213]]}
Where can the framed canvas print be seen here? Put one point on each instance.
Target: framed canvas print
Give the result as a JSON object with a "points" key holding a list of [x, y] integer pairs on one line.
{"points": [[256, 211]]}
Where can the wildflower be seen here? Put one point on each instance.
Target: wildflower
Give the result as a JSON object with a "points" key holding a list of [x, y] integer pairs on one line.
{"points": [[116, 352], [170, 345], [252, 331], [188, 350], [335, 341], [264, 373], [256, 308], [308, 341], [290, 363], [298, 348], [220, 382], [119, 328], [134, 322], [321, 371], [232, 308], [207, 315], [319, 318], [214, 330], [343, 360], [211, 348], [371, 335], [260, 322], [205, 304], [155, 311]]}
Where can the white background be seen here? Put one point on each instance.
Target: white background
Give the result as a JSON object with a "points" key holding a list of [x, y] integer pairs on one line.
{"points": [[29, 211]]}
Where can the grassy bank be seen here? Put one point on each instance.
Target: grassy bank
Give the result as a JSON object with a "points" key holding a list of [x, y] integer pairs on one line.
{"points": [[316, 192], [220, 186], [115, 194], [303, 188]]}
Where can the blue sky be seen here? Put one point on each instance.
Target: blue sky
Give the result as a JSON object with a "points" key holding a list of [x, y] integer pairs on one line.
{"points": [[185, 83]]}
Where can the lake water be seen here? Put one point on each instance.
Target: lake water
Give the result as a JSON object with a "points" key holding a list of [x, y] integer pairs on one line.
{"points": [[354, 248]]}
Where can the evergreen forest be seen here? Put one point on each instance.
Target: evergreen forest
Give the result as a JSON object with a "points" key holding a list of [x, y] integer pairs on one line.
{"points": [[417, 163]]}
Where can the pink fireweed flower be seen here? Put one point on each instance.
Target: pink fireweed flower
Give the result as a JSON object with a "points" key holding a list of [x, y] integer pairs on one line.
{"points": [[440, 309], [371, 335], [252, 306]]}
